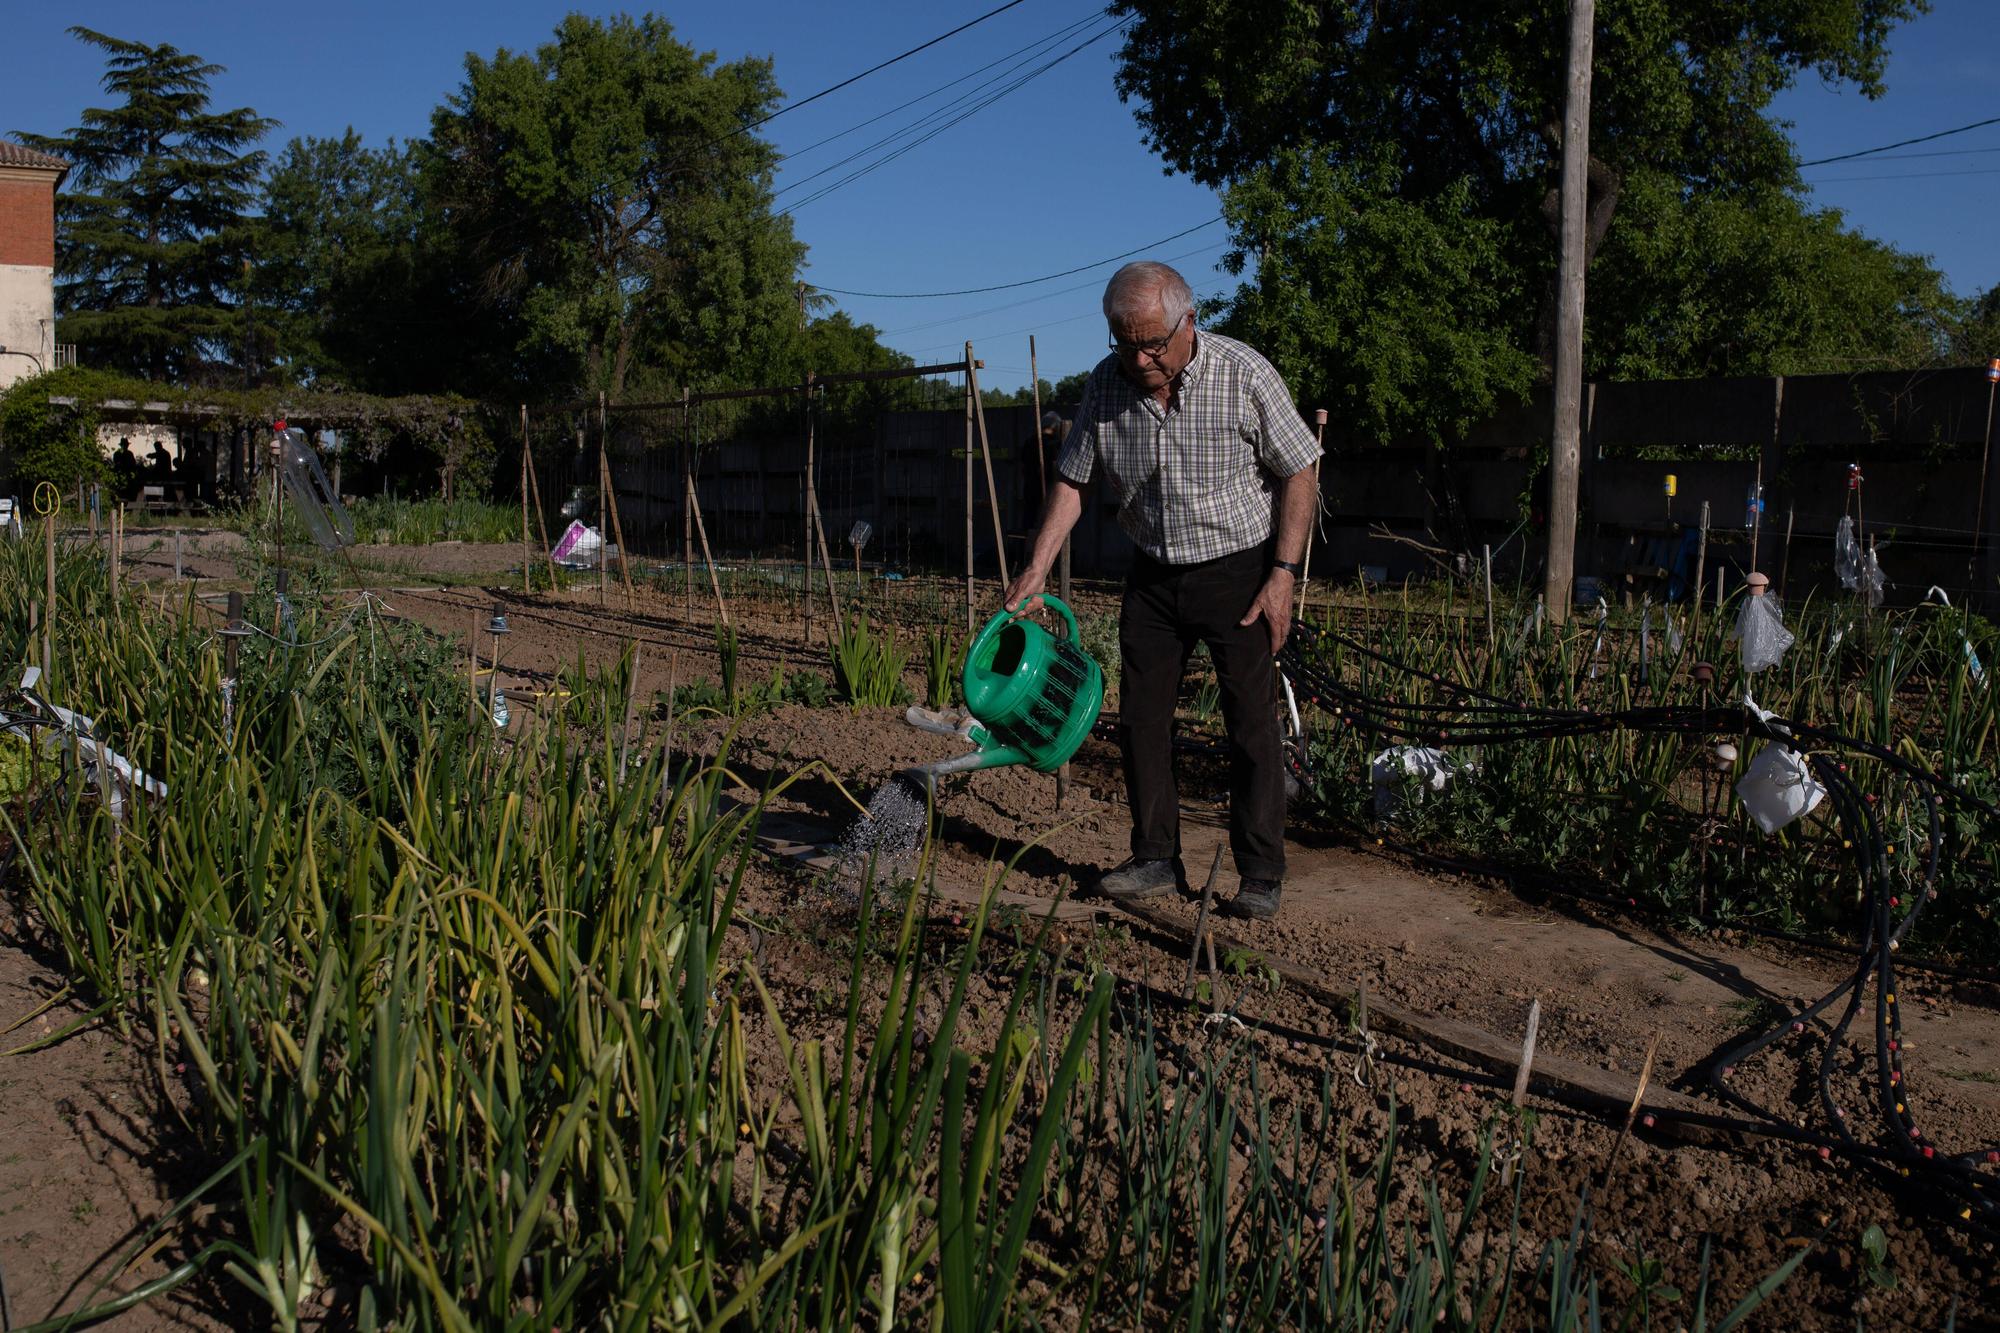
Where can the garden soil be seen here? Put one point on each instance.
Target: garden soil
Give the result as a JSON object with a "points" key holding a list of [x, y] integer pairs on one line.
{"points": [[87, 1120]]}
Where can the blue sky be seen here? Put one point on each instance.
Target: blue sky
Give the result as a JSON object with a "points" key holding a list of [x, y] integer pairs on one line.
{"points": [[1048, 178]]}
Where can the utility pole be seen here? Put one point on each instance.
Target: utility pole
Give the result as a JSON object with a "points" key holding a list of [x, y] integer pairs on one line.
{"points": [[1567, 444]]}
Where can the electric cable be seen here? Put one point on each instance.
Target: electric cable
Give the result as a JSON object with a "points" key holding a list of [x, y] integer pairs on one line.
{"points": [[1901, 143], [1024, 282]]}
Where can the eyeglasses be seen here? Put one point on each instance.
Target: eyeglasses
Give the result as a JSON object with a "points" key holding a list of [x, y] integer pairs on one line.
{"points": [[1151, 348]]}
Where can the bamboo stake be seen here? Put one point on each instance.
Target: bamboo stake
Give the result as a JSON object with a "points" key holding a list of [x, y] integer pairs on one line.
{"points": [[968, 489], [687, 511], [1785, 559], [541, 524], [986, 458], [1700, 570], [1521, 1073], [49, 595], [1041, 462], [826, 564], [1306, 563], [805, 505], [1489, 597], [631, 710], [472, 662], [722, 607], [611, 491], [117, 548], [527, 554]]}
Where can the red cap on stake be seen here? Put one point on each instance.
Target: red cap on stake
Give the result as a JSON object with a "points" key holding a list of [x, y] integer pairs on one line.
{"points": [[1993, 369]]}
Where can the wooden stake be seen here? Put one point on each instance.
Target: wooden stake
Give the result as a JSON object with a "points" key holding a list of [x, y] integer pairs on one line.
{"points": [[117, 549], [721, 607], [1041, 461], [1785, 559], [826, 565], [631, 710], [986, 458], [1201, 921], [805, 504], [1489, 597], [48, 595], [611, 491], [1306, 564], [542, 527], [687, 511], [1700, 571], [527, 554], [968, 489], [1566, 447], [1521, 1072], [472, 663], [1527, 1053]]}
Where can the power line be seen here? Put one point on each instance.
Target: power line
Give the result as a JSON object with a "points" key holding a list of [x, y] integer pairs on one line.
{"points": [[936, 117], [926, 137], [1035, 45], [1031, 300], [1939, 152], [1025, 282], [1901, 143], [1908, 176], [876, 69]]}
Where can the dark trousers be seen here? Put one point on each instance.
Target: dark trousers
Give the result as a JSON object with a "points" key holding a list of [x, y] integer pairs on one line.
{"points": [[1167, 610]]}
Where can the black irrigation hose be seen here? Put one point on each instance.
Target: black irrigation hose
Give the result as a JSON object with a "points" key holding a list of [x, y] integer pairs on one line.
{"points": [[1964, 1181]]}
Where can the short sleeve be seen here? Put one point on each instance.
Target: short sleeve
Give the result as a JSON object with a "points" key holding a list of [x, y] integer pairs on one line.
{"points": [[1285, 446], [1077, 463]]}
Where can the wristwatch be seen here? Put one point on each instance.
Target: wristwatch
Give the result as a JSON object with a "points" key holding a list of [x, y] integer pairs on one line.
{"points": [[1292, 567]]}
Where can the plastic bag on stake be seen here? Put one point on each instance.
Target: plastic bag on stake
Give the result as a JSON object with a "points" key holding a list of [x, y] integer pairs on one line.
{"points": [[1760, 627], [1873, 581], [1847, 554]]}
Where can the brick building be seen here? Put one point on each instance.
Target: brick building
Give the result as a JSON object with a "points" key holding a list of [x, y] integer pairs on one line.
{"points": [[28, 184]]}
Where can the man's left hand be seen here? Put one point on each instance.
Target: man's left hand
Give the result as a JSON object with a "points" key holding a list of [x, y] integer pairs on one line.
{"points": [[1274, 605]]}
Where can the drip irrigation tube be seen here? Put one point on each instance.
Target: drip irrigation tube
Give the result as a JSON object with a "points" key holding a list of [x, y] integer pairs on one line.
{"points": [[1967, 1182]]}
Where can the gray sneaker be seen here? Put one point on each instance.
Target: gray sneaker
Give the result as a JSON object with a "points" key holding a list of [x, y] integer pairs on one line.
{"points": [[1255, 900], [1138, 879]]}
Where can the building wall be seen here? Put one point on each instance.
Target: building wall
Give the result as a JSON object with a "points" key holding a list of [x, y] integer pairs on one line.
{"points": [[27, 270]]}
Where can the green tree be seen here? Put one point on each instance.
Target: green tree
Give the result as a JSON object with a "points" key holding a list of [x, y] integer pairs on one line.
{"points": [[341, 276], [151, 234], [605, 202], [53, 442], [1391, 173]]}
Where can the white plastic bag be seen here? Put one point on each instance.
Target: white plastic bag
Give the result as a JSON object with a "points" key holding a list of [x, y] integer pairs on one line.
{"points": [[1847, 554], [1778, 788], [579, 545], [1388, 769], [1873, 581], [1760, 626]]}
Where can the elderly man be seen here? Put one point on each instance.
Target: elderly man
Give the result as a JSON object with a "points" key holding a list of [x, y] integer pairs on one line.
{"points": [[1197, 440]]}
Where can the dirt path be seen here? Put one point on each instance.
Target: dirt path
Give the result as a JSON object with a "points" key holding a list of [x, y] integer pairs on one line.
{"points": [[91, 1154]]}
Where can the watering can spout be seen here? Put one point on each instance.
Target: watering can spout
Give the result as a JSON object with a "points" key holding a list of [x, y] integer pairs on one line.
{"points": [[923, 778]]}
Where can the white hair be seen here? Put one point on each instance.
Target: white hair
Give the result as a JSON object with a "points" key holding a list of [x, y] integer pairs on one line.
{"points": [[1144, 286]]}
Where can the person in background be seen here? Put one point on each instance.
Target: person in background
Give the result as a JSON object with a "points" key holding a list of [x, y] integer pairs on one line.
{"points": [[1196, 439]]}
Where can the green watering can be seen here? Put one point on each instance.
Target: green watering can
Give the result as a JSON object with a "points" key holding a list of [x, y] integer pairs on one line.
{"points": [[1032, 699]]}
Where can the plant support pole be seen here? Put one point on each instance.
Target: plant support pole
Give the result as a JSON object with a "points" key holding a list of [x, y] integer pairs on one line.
{"points": [[968, 489], [986, 460], [527, 552], [1306, 563]]}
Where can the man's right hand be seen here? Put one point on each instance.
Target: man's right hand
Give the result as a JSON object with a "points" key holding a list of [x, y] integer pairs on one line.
{"points": [[1027, 584]]}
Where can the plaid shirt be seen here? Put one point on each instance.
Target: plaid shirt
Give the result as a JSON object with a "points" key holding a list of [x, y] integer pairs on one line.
{"points": [[1198, 478]]}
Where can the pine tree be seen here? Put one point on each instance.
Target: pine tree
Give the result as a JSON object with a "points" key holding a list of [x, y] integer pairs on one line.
{"points": [[152, 234]]}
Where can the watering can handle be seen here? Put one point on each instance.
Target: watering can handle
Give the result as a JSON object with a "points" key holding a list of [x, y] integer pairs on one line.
{"points": [[1050, 599], [1069, 615]]}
